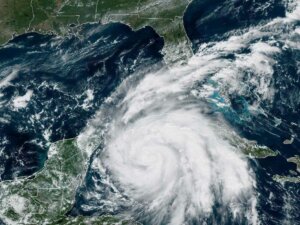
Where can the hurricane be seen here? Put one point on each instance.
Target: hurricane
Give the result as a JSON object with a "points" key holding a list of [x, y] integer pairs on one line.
{"points": [[108, 123], [163, 148], [168, 160]]}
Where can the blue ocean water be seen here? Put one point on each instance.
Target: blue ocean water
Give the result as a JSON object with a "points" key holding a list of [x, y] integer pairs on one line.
{"points": [[68, 78], [213, 20], [59, 71]]}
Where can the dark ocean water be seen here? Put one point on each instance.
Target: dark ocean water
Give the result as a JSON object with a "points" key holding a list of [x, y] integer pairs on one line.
{"points": [[212, 21], [68, 78], [59, 71]]}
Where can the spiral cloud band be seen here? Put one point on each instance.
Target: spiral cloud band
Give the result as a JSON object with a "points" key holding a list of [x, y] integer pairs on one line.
{"points": [[161, 157], [173, 164]]}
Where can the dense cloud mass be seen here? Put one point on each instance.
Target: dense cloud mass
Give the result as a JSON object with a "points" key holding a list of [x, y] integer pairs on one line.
{"points": [[169, 161], [164, 141], [163, 154]]}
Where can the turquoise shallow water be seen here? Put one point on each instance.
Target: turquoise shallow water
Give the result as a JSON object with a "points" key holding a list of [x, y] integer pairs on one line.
{"points": [[51, 87]]}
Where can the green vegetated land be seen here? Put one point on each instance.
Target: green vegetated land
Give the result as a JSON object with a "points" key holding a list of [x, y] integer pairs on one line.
{"points": [[46, 197], [19, 16], [252, 150], [259, 152], [50, 194], [290, 179], [296, 160], [286, 179]]}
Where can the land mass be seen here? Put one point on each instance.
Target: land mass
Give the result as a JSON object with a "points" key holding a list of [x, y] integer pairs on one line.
{"points": [[250, 148], [166, 17], [296, 160], [46, 197], [286, 179]]}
